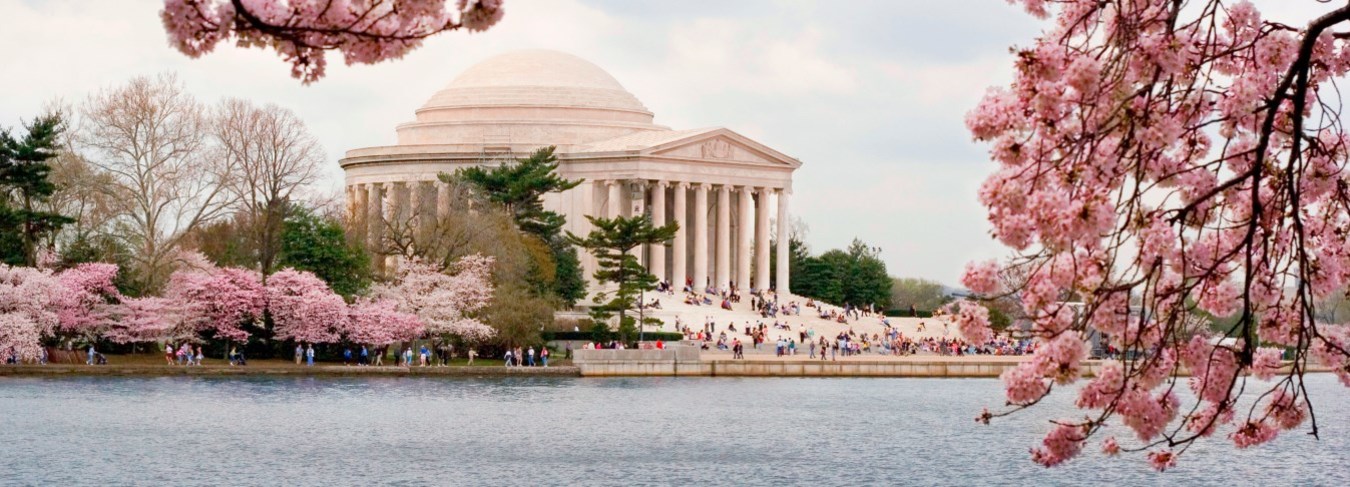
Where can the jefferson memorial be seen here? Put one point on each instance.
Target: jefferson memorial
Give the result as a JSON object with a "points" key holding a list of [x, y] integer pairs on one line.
{"points": [[720, 186]]}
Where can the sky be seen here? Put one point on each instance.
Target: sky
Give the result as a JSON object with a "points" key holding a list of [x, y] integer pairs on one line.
{"points": [[869, 95]]}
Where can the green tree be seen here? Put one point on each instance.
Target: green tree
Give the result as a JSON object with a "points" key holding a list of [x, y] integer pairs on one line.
{"points": [[25, 187], [310, 242], [922, 294], [856, 276], [612, 241], [519, 188], [867, 282]]}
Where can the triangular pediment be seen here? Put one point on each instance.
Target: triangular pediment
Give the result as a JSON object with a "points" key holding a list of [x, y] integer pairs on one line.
{"points": [[721, 145]]}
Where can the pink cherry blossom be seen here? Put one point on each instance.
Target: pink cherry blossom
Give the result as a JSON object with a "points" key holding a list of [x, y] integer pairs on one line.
{"points": [[381, 323], [444, 301], [223, 302], [1159, 164], [1162, 459], [1063, 442], [981, 277], [1110, 447], [147, 319], [302, 31], [303, 308], [26, 310], [85, 294], [973, 322]]}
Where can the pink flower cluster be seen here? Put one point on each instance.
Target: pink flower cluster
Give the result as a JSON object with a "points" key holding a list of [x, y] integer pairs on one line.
{"points": [[1145, 199], [203, 300], [302, 31]]}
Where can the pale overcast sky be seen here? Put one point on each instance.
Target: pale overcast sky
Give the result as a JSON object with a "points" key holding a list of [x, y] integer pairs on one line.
{"points": [[870, 95]]}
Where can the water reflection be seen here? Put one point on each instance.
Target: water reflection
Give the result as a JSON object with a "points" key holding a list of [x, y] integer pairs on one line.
{"points": [[626, 431]]}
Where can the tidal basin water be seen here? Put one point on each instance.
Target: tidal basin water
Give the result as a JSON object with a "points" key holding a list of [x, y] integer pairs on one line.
{"points": [[567, 431]]}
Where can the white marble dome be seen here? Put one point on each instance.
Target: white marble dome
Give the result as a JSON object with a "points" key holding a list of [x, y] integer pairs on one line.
{"points": [[528, 98]]}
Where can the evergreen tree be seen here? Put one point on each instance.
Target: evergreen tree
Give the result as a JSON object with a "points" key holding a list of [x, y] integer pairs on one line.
{"points": [[24, 187], [519, 188], [312, 243], [612, 241]]}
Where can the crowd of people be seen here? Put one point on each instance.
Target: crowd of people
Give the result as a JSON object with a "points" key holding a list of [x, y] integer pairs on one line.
{"points": [[790, 341]]}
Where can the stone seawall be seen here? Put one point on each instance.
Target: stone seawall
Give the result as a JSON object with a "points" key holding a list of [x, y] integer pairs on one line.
{"points": [[686, 361], [66, 370]]}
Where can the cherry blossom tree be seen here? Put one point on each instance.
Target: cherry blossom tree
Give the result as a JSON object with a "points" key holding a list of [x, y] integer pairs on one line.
{"points": [[302, 31], [220, 301], [443, 301], [84, 296], [303, 308], [27, 311], [147, 319], [379, 322], [1162, 161]]}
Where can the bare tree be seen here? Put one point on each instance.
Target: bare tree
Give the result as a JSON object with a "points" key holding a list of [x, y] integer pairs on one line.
{"points": [[151, 139], [273, 156]]}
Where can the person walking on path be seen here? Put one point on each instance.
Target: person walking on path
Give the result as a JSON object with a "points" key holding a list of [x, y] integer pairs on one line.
{"points": [[531, 356], [813, 350], [299, 353], [90, 353], [543, 353], [364, 359], [472, 353], [309, 355], [199, 355], [168, 353], [347, 356], [508, 357], [568, 355]]}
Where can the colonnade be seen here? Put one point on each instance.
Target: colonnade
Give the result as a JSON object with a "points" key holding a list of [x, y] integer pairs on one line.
{"points": [[739, 227]]}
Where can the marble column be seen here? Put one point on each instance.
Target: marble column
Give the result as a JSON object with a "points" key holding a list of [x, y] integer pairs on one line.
{"points": [[744, 232], [359, 210], [351, 204], [723, 258], [762, 240], [442, 201], [615, 198], [657, 262], [426, 206], [782, 285], [700, 236], [415, 207], [402, 204], [679, 246], [374, 216]]}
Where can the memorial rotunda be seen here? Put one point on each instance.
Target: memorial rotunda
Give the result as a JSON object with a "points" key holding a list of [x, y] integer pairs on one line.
{"points": [[720, 186]]}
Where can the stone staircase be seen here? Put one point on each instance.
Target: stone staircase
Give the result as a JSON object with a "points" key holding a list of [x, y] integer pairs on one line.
{"points": [[741, 315]]}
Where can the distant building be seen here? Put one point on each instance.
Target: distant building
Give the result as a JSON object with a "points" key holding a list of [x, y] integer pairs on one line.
{"points": [[720, 186]]}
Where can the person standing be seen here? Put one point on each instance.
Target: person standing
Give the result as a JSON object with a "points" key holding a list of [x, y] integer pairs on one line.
{"points": [[426, 355], [530, 354], [543, 353], [568, 355], [309, 355], [472, 353], [168, 353], [347, 356], [364, 359], [90, 354], [199, 355], [299, 353]]}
